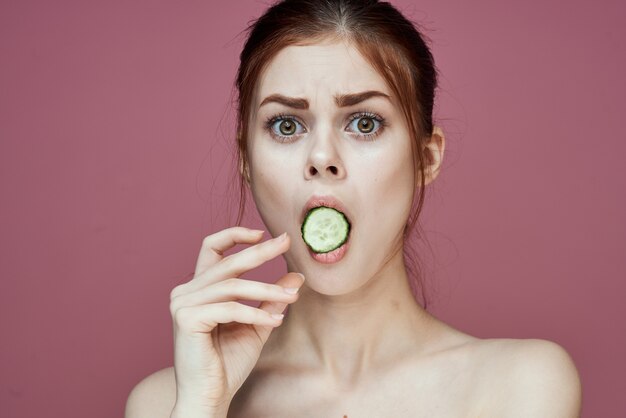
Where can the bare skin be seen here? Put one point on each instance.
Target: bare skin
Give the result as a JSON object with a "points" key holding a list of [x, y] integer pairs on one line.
{"points": [[356, 343], [462, 380], [441, 381]]}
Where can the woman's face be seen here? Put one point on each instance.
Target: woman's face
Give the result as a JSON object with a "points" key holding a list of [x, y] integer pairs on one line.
{"points": [[358, 152]]}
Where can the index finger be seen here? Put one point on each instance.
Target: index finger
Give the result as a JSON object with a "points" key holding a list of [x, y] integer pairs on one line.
{"points": [[214, 245], [236, 264]]}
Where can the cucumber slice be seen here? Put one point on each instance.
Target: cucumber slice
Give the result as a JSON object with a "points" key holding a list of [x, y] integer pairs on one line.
{"points": [[325, 229]]}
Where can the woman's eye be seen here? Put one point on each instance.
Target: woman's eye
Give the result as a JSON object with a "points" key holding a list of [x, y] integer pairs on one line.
{"points": [[285, 127], [365, 124]]}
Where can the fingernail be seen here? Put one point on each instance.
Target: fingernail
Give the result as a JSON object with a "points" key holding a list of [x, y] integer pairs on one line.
{"points": [[258, 231], [291, 290], [301, 275], [278, 316], [282, 237]]}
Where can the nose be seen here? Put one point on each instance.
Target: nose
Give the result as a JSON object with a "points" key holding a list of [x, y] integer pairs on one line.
{"points": [[324, 161]]}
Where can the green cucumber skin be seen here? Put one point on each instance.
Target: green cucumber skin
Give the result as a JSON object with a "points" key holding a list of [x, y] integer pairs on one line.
{"points": [[306, 219]]}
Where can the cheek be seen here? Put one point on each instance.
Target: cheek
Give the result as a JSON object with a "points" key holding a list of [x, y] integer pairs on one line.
{"points": [[397, 188], [389, 195], [271, 189]]}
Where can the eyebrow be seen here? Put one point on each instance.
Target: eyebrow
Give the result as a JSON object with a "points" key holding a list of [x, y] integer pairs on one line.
{"points": [[342, 100]]}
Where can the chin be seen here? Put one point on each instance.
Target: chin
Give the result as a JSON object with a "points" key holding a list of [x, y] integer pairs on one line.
{"points": [[331, 279], [330, 285]]}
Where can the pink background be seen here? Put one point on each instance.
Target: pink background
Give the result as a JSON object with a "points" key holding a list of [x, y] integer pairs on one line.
{"points": [[115, 158]]}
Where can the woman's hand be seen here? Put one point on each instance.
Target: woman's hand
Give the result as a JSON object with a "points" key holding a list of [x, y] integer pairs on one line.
{"points": [[217, 340]]}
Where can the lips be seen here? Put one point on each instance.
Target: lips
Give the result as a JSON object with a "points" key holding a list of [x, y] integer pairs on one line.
{"points": [[328, 201]]}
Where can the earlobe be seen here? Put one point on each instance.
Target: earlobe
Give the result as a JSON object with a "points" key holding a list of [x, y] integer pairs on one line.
{"points": [[436, 147]]}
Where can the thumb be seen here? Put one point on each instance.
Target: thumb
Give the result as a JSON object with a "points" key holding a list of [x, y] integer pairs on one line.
{"points": [[290, 279]]}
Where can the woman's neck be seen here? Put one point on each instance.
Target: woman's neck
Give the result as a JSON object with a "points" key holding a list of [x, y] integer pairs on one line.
{"points": [[346, 336]]}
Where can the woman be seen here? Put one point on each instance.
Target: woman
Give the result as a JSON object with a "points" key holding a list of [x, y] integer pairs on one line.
{"points": [[335, 109]]}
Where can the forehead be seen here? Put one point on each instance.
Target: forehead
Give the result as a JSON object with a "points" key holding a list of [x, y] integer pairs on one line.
{"points": [[321, 69]]}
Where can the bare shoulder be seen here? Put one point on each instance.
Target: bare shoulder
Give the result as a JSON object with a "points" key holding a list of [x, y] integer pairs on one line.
{"points": [[153, 397], [527, 378]]}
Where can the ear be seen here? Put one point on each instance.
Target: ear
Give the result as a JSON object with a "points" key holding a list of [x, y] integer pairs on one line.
{"points": [[435, 147]]}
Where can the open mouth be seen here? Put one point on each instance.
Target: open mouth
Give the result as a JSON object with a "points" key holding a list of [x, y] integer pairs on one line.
{"points": [[326, 232]]}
